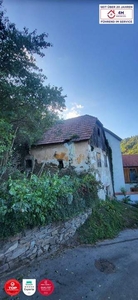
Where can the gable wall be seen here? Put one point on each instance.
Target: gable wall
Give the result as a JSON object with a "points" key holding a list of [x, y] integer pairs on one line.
{"points": [[118, 174]]}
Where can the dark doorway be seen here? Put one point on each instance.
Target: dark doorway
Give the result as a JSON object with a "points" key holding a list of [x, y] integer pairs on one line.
{"points": [[60, 166], [29, 164]]}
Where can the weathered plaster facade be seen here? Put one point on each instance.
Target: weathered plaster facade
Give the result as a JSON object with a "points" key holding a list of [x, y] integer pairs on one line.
{"points": [[102, 173], [81, 157], [51, 153], [72, 154]]}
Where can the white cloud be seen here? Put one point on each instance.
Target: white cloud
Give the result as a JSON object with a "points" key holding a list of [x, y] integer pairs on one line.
{"points": [[72, 114], [79, 106], [74, 111]]}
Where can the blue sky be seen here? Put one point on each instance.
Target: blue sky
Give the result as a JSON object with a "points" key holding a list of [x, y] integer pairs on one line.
{"points": [[97, 65]]}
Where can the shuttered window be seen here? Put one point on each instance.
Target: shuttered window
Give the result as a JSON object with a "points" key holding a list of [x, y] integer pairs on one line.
{"points": [[131, 175], [126, 175]]}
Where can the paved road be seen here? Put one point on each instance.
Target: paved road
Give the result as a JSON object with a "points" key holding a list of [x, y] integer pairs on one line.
{"points": [[108, 270]]}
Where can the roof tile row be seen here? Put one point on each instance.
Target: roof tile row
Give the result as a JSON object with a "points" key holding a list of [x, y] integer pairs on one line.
{"points": [[130, 160]]}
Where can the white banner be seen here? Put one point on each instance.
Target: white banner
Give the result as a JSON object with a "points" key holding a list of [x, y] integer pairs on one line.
{"points": [[116, 14]]}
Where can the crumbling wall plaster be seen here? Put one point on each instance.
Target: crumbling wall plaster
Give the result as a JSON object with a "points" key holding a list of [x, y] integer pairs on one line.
{"points": [[81, 156], [102, 173], [51, 154], [72, 154]]}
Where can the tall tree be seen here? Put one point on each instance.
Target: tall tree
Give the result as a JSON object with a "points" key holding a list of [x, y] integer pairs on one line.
{"points": [[26, 103]]}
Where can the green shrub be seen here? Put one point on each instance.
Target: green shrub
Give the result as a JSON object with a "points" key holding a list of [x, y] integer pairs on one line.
{"points": [[26, 203], [107, 220]]}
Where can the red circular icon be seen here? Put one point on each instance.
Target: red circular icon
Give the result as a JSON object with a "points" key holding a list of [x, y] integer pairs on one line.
{"points": [[12, 287], [46, 287]]}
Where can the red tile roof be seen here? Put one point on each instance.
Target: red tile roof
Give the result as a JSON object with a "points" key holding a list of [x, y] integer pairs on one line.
{"points": [[130, 160], [81, 128]]}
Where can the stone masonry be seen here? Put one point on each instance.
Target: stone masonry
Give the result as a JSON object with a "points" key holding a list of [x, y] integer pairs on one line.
{"points": [[22, 249]]}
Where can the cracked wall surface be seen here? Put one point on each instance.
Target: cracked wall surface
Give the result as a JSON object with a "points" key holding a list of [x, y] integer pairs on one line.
{"points": [[79, 155]]}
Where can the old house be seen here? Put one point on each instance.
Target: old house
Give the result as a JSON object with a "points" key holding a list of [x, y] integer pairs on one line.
{"points": [[130, 166], [84, 143]]}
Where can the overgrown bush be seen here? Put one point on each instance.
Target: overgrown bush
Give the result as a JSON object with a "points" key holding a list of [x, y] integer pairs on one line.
{"points": [[108, 218], [26, 203]]}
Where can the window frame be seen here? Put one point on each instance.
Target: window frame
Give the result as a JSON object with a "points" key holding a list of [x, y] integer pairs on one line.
{"points": [[131, 180], [98, 159], [127, 174], [105, 161]]}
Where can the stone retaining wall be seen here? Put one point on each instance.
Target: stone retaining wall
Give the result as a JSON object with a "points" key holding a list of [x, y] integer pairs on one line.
{"points": [[20, 250]]}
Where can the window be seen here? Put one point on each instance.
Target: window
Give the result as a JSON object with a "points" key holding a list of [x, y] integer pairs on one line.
{"points": [[105, 161], [133, 175], [92, 148], [98, 155], [98, 132]]}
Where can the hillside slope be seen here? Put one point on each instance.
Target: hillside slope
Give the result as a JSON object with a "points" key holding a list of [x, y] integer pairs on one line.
{"points": [[130, 145]]}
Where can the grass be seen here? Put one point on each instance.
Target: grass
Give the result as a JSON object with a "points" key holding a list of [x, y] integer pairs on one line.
{"points": [[107, 220]]}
